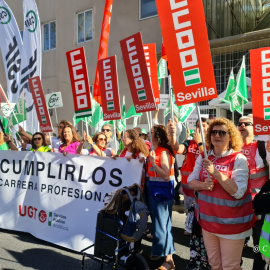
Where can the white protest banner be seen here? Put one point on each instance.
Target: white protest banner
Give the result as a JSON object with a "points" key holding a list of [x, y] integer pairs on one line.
{"points": [[12, 50], [31, 64], [54, 100], [56, 198]]}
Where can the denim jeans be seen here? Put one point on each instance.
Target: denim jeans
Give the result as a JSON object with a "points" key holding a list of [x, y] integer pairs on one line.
{"points": [[161, 213]]}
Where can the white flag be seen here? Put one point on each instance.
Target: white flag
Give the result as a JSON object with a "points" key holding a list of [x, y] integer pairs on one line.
{"points": [[12, 51], [33, 54]]}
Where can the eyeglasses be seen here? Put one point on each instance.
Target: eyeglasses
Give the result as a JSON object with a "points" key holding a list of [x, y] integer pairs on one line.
{"points": [[102, 139], [60, 126], [246, 124], [221, 133], [105, 130], [37, 139]]}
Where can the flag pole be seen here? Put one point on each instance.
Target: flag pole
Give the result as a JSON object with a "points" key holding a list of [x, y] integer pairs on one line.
{"points": [[114, 128], [87, 132], [171, 100], [56, 118], [201, 128]]}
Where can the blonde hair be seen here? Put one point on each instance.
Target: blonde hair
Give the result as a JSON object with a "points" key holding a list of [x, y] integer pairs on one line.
{"points": [[236, 141]]}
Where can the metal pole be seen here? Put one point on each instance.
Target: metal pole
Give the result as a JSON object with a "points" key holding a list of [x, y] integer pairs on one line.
{"points": [[201, 128], [170, 92], [56, 116], [116, 150]]}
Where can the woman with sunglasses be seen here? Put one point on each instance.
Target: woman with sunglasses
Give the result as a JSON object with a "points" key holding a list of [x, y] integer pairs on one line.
{"points": [[39, 144], [99, 145], [224, 203]]}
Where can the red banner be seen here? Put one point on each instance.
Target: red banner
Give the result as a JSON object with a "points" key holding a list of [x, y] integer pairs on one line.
{"points": [[109, 88], [151, 62], [185, 39], [260, 86], [103, 45], [137, 73], [40, 104], [79, 82]]}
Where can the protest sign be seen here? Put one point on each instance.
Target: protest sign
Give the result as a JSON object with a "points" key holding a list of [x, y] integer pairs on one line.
{"points": [[56, 198], [109, 88], [54, 100], [151, 61], [164, 98], [187, 48], [260, 86], [136, 69], [79, 82], [40, 104]]}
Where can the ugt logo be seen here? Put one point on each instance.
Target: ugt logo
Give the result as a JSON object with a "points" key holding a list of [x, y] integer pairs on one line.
{"points": [[31, 212], [31, 21], [5, 16]]}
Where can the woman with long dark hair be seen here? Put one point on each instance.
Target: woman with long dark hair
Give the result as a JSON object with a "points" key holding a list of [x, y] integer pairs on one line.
{"points": [[38, 143], [161, 195]]}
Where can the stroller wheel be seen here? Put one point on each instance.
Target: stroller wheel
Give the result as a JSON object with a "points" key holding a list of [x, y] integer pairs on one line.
{"points": [[136, 262]]}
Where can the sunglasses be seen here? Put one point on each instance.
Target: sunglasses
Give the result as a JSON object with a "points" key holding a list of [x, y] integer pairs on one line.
{"points": [[60, 126], [246, 124], [37, 139], [105, 129], [102, 139], [221, 133]]}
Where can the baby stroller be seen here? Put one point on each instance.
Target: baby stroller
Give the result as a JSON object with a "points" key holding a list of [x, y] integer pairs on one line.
{"points": [[115, 231]]}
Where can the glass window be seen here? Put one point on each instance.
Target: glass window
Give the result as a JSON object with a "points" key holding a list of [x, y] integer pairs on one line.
{"points": [[49, 36], [85, 26], [148, 8]]}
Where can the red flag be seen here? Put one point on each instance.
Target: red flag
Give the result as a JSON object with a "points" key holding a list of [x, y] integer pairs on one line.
{"points": [[103, 45], [163, 53]]}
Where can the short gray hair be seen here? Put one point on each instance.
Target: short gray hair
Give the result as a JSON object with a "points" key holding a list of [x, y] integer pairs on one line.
{"points": [[248, 117]]}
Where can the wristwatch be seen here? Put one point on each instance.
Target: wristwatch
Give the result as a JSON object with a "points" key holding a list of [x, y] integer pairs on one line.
{"points": [[200, 144]]}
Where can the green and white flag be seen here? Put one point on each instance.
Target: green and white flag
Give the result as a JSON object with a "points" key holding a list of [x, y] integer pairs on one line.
{"points": [[241, 83], [161, 70], [132, 113], [168, 107], [121, 123], [231, 96], [183, 112]]}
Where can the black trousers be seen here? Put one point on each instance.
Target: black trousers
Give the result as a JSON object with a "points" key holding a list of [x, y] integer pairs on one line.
{"points": [[258, 263]]}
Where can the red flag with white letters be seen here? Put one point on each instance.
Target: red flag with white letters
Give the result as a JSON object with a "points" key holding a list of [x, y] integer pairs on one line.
{"points": [[40, 104], [187, 48], [151, 61], [137, 73], [79, 82], [109, 88]]}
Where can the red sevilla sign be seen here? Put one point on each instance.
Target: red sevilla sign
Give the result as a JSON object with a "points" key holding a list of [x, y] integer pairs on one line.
{"points": [[40, 104], [79, 82], [185, 39], [260, 85], [109, 88], [137, 73], [151, 62]]}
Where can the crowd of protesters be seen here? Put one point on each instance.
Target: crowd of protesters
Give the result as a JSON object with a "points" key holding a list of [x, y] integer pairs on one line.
{"points": [[219, 185]]}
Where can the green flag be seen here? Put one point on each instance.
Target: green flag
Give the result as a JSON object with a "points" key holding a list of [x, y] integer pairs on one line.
{"points": [[161, 70], [241, 83], [183, 112], [131, 112], [231, 96]]}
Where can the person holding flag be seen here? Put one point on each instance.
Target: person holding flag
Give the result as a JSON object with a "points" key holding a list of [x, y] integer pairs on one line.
{"points": [[191, 149], [108, 130], [258, 175]]}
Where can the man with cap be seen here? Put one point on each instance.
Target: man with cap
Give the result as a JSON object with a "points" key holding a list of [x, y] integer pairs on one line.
{"points": [[258, 176]]}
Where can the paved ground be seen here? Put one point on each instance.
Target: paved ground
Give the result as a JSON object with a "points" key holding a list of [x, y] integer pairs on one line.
{"points": [[23, 251]]}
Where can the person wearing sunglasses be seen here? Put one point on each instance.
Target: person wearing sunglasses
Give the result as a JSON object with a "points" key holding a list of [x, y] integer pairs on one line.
{"points": [[111, 143], [224, 204], [257, 178], [99, 145], [38, 143]]}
